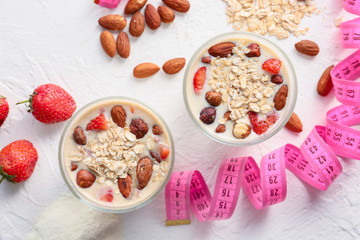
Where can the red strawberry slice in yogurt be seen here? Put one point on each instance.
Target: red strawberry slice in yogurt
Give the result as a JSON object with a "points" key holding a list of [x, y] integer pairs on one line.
{"points": [[106, 195], [261, 126], [272, 65], [199, 79]]}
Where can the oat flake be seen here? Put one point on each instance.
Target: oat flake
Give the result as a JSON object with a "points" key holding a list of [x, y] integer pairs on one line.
{"points": [[275, 17]]}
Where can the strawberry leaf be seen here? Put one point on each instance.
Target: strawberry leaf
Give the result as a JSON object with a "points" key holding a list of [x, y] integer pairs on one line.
{"points": [[6, 176]]}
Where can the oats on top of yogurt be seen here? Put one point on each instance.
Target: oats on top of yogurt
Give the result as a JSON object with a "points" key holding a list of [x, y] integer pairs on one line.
{"points": [[242, 87], [114, 158]]}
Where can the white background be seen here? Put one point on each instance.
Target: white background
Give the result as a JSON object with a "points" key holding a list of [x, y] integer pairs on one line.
{"points": [[57, 41]]}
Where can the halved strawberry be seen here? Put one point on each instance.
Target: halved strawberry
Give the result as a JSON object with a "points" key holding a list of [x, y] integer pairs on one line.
{"points": [[272, 65], [272, 118], [106, 195], [253, 117], [4, 109], [98, 123], [164, 151], [199, 79], [259, 127]]}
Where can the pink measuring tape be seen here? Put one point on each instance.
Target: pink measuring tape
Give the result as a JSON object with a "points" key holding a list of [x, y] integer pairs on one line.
{"points": [[315, 162]]}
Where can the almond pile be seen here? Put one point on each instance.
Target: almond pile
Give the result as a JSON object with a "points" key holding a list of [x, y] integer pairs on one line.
{"points": [[153, 18]]}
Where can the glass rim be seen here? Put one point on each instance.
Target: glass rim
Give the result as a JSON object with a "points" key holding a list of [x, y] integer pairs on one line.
{"points": [[293, 90], [70, 184]]}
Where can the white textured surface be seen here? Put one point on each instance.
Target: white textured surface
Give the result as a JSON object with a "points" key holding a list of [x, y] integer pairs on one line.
{"points": [[57, 41]]}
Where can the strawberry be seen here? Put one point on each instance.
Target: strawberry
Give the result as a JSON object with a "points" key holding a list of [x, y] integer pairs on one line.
{"points": [[259, 127], [98, 123], [106, 195], [17, 161], [253, 117], [271, 118], [199, 79], [272, 65], [50, 103], [4, 109], [164, 151]]}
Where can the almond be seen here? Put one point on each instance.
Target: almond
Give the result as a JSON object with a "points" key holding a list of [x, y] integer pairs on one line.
{"points": [[294, 124], [156, 156], [124, 185], [144, 70], [143, 172], [307, 47], [108, 43], [123, 45], [325, 83], [73, 167], [221, 49], [85, 179], [118, 115], [166, 14], [152, 17], [220, 128], [79, 136], [137, 24], [227, 115], [178, 5], [134, 5], [206, 59], [280, 98], [174, 65], [113, 22]]}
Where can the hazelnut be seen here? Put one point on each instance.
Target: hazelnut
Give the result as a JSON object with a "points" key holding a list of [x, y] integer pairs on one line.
{"points": [[118, 115], [73, 166], [144, 171], [85, 179], [221, 128], [241, 130], [208, 115], [156, 130], [213, 98], [79, 136], [124, 185], [277, 79], [227, 115], [139, 128], [206, 59], [254, 50]]}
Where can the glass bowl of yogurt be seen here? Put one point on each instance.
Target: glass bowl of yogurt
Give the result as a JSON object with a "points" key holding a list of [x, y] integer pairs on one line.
{"points": [[116, 154], [240, 88]]}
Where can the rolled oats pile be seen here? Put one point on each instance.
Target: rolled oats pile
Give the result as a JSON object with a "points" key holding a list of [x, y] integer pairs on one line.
{"points": [[112, 155], [242, 84], [275, 17]]}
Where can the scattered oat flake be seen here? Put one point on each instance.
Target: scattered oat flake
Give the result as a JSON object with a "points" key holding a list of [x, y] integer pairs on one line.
{"points": [[337, 21], [275, 17]]}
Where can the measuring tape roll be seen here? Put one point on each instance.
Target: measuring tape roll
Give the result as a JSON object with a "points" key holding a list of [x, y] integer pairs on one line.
{"points": [[315, 162]]}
